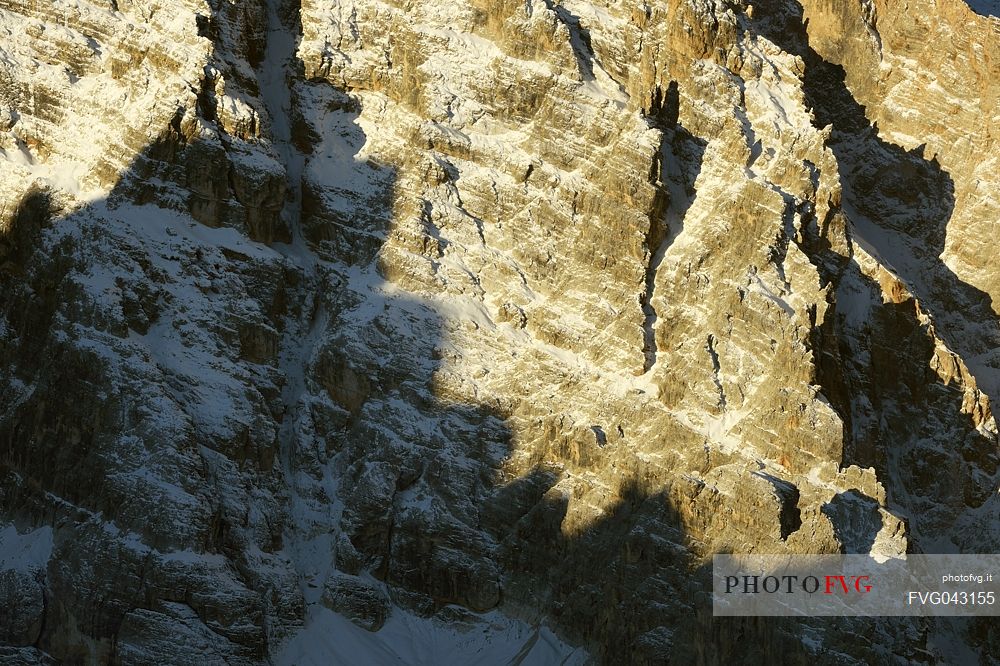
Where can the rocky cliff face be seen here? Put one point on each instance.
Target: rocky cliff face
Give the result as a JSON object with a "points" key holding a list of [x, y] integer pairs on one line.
{"points": [[477, 327]]}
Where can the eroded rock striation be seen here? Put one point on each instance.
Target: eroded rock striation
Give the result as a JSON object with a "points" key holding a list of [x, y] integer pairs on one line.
{"points": [[464, 319]]}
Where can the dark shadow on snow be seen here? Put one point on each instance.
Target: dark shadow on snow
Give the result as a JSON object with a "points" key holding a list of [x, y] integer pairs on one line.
{"points": [[985, 7], [856, 520]]}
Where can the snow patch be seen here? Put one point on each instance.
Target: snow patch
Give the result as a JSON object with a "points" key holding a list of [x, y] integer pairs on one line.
{"points": [[495, 640], [25, 552]]}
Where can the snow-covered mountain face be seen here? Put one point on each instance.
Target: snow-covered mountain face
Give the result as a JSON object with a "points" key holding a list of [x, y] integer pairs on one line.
{"points": [[466, 332]]}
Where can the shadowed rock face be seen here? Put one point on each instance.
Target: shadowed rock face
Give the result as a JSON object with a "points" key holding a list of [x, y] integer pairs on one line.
{"points": [[503, 315]]}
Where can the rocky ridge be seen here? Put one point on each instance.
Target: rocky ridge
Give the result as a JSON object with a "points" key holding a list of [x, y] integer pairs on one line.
{"points": [[506, 315]]}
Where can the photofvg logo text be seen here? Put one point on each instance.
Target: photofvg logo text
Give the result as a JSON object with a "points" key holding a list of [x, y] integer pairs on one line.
{"points": [[793, 584], [858, 585]]}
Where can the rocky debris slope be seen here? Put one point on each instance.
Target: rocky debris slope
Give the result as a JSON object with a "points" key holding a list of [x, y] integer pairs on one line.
{"points": [[486, 319]]}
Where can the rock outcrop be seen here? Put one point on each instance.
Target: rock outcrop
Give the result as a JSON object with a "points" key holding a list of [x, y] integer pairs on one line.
{"points": [[504, 314]]}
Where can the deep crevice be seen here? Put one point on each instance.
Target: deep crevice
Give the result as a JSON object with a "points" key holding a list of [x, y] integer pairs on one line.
{"points": [[675, 168]]}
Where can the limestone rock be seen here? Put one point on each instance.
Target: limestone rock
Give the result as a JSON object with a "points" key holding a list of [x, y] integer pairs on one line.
{"points": [[361, 602], [23, 602], [489, 322]]}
